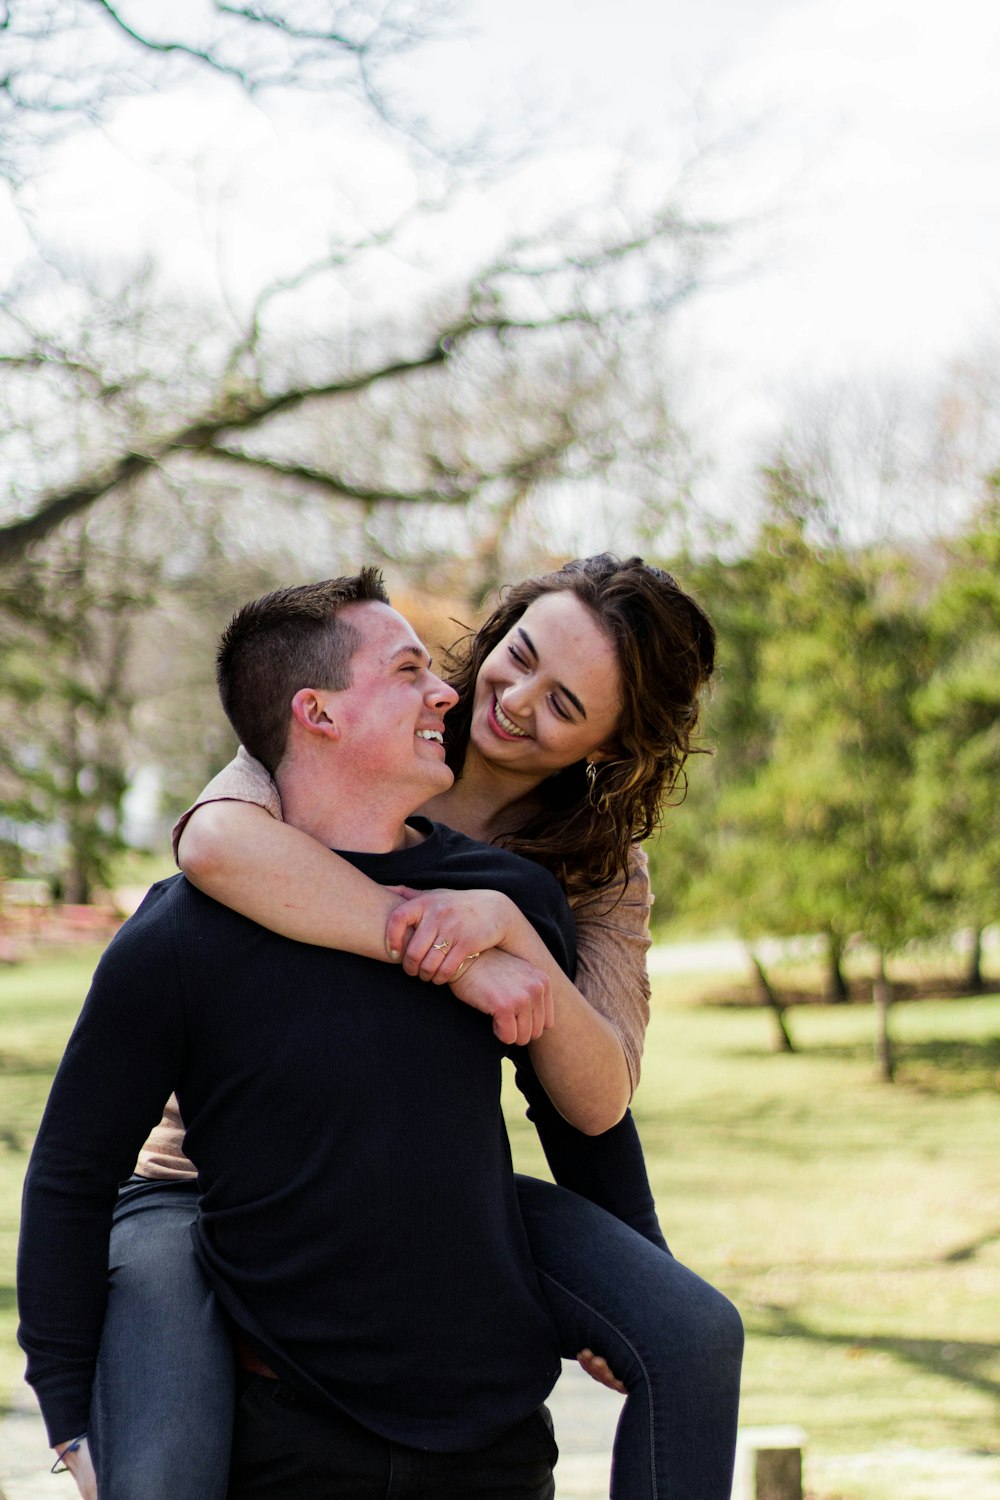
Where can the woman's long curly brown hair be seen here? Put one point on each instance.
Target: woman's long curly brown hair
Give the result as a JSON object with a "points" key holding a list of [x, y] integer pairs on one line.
{"points": [[665, 645]]}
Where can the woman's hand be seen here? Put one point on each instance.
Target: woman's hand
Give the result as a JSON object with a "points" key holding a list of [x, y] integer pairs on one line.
{"points": [[81, 1466], [437, 932], [598, 1369], [516, 994]]}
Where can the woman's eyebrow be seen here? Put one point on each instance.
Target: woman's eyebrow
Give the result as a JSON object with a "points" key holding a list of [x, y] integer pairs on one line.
{"points": [[526, 638]]}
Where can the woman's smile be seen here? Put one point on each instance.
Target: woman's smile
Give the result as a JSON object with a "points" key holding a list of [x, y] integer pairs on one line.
{"points": [[506, 726]]}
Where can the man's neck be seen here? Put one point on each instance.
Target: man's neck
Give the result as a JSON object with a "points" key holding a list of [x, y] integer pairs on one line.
{"points": [[340, 818]]}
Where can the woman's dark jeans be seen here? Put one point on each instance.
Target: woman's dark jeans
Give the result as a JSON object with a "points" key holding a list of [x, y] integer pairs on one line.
{"points": [[161, 1422], [161, 1416], [673, 1340]]}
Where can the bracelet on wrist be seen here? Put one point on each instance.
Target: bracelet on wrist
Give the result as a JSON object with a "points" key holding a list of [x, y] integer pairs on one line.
{"points": [[73, 1447]]}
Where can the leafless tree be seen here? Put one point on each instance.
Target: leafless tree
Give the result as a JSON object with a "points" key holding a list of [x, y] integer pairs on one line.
{"points": [[68, 63], [163, 454]]}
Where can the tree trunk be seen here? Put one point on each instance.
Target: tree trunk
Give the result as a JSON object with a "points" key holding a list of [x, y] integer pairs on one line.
{"points": [[885, 1065], [782, 1037], [974, 976], [76, 876], [837, 990], [76, 887]]}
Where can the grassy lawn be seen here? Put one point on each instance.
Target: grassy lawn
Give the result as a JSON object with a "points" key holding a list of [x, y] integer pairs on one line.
{"points": [[855, 1224], [38, 1005]]}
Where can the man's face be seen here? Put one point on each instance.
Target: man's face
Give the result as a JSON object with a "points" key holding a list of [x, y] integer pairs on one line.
{"points": [[392, 715]]}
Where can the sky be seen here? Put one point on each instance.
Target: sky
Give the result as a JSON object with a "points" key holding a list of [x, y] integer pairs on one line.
{"points": [[879, 129], [866, 160], [873, 147]]}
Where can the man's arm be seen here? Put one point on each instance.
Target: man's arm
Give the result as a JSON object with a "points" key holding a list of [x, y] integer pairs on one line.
{"points": [[125, 1055], [608, 1169], [579, 1059]]}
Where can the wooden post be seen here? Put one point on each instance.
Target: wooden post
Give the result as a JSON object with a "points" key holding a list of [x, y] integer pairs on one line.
{"points": [[769, 1463]]}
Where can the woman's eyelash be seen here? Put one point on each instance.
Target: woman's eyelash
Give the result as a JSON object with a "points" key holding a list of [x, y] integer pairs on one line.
{"points": [[557, 707]]}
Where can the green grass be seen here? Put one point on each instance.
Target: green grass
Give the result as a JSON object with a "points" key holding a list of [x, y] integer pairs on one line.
{"points": [[855, 1224], [38, 1005]]}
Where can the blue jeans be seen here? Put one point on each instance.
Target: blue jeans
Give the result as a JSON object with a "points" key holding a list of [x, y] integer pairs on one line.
{"points": [[161, 1414], [673, 1340], [161, 1420]]}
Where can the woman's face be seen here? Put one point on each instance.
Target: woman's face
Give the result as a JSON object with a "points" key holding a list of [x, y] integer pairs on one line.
{"points": [[549, 693]]}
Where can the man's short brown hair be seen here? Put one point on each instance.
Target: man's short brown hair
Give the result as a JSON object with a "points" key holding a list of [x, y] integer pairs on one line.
{"points": [[288, 640]]}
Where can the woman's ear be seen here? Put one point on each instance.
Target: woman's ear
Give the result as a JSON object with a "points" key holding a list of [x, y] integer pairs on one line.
{"points": [[312, 711]]}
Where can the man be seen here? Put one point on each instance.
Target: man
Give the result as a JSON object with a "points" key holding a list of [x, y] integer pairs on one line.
{"points": [[358, 1218]]}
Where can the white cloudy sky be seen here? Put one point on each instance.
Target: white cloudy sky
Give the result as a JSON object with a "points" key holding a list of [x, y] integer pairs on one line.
{"points": [[877, 140]]}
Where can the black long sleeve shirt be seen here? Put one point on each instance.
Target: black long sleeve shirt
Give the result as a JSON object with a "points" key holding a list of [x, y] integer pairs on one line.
{"points": [[358, 1215]]}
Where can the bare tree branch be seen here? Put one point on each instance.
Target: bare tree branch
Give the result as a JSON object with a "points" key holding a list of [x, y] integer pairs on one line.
{"points": [[245, 408], [241, 413], [210, 56], [66, 63], [340, 487], [453, 489], [65, 364]]}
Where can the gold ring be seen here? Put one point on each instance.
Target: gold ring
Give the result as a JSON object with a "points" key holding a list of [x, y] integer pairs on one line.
{"points": [[440, 947]]}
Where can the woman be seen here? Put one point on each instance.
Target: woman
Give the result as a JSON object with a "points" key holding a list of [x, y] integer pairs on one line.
{"points": [[578, 701]]}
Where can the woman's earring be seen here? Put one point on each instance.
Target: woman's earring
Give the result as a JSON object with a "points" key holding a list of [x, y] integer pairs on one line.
{"points": [[599, 801]]}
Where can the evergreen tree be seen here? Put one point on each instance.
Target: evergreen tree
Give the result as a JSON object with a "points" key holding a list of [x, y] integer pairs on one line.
{"points": [[814, 836], [956, 807]]}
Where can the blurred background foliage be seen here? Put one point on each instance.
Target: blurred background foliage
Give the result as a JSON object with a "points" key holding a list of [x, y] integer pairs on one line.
{"points": [[462, 409]]}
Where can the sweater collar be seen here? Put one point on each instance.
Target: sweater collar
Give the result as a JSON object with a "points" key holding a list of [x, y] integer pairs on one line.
{"points": [[402, 862]]}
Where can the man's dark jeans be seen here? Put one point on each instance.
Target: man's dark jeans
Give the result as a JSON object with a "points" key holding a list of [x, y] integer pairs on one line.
{"points": [[286, 1447]]}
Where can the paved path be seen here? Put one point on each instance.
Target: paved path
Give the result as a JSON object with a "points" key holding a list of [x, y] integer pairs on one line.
{"points": [[24, 1465], [585, 1416]]}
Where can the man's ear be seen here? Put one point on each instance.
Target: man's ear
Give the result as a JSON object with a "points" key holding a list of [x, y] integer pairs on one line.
{"points": [[312, 709]]}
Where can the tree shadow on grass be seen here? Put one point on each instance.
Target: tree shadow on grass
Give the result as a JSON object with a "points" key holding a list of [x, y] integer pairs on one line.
{"points": [[958, 1255], [953, 1067], [776, 1127], [27, 1064], [746, 996], [956, 1067], [962, 1361], [970, 1249]]}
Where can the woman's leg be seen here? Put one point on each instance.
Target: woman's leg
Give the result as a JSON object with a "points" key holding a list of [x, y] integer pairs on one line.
{"points": [[161, 1417], [675, 1342]]}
